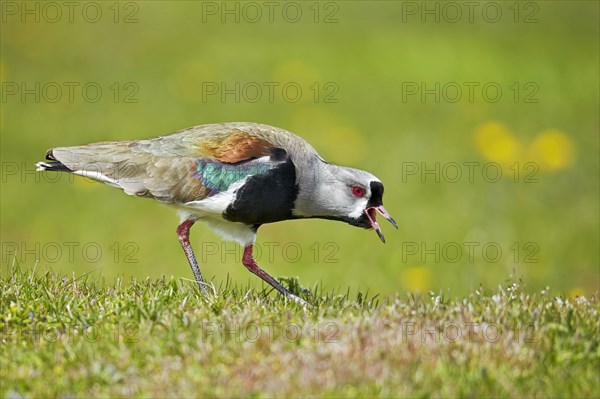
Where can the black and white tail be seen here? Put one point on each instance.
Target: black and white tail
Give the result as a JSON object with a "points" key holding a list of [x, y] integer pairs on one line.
{"points": [[88, 161], [140, 168], [53, 164], [117, 163]]}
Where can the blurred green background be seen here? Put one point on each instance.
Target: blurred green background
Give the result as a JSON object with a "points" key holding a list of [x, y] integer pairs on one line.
{"points": [[379, 92]]}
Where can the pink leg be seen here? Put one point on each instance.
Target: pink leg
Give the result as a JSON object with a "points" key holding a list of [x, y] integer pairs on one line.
{"points": [[183, 232], [250, 263]]}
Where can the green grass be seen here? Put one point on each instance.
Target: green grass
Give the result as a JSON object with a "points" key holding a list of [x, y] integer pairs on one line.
{"points": [[74, 337]]}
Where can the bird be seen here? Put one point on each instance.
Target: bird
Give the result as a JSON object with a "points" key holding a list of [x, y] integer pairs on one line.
{"points": [[235, 177]]}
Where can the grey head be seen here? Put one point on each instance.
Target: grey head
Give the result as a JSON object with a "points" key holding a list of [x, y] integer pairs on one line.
{"points": [[335, 192]]}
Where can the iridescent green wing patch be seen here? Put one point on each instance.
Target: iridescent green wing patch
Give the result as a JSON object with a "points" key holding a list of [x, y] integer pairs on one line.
{"points": [[219, 176]]}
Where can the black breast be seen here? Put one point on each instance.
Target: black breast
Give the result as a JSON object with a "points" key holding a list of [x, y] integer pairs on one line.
{"points": [[265, 198]]}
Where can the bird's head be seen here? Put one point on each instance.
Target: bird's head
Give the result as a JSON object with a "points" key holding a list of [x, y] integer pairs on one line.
{"points": [[346, 194]]}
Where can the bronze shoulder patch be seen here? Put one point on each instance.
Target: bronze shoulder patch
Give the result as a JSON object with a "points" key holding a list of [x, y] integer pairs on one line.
{"points": [[236, 147]]}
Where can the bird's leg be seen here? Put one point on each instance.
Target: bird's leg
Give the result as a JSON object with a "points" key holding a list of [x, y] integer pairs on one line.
{"points": [[183, 232], [250, 263]]}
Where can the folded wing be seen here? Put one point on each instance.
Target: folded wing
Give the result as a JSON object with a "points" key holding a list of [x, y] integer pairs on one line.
{"points": [[186, 166]]}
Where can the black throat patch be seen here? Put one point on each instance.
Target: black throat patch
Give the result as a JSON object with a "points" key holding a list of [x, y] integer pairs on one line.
{"points": [[267, 197], [376, 194]]}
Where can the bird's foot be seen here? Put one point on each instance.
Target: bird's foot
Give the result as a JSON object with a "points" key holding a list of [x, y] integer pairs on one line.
{"points": [[203, 287], [298, 300]]}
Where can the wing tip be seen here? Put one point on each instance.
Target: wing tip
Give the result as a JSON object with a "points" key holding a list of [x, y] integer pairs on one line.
{"points": [[50, 155]]}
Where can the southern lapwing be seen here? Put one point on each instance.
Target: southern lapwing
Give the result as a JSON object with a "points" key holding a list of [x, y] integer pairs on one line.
{"points": [[233, 176]]}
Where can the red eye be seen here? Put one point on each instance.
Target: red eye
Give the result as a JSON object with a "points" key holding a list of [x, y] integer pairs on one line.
{"points": [[358, 191]]}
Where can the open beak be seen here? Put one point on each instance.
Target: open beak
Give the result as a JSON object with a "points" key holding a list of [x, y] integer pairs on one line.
{"points": [[372, 216]]}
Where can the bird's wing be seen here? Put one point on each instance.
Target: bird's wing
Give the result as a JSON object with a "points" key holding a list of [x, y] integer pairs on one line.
{"points": [[186, 166], [228, 142]]}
